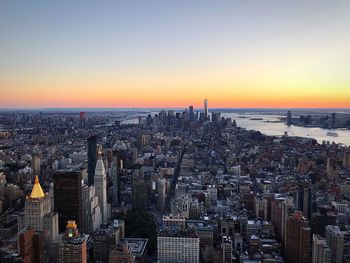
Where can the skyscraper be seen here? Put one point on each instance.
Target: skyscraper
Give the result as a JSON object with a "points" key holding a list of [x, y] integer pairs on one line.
{"points": [[304, 199], [36, 164], [37, 212], [73, 246], [321, 252], [139, 192], [298, 239], [101, 184], [31, 245], [115, 179], [92, 157], [67, 196], [91, 211], [191, 112], [335, 241], [289, 118], [206, 109], [82, 118]]}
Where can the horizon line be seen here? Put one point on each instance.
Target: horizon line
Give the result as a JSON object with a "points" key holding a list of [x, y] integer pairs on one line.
{"points": [[214, 108]]}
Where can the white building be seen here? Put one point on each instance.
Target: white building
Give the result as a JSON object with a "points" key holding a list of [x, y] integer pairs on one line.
{"points": [[38, 214], [178, 246], [101, 186], [92, 217], [335, 241], [321, 253]]}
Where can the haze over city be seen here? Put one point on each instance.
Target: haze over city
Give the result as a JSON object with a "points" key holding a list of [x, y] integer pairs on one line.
{"points": [[240, 54]]}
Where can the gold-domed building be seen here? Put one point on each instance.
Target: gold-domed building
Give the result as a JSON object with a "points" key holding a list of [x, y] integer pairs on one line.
{"points": [[37, 212]]}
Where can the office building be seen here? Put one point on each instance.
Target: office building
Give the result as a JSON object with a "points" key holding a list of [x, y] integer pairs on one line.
{"points": [[178, 246], [289, 118], [91, 211], [38, 214], [161, 193], [68, 196], [321, 252], [72, 249], [206, 116], [36, 164], [335, 241], [304, 199], [92, 158], [31, 245], [116, 179], [139, 192], [298, 239], [226, 247], [101, 185]]}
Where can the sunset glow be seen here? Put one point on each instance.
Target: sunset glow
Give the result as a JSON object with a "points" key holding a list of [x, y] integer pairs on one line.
{"points": [[286, 55]]}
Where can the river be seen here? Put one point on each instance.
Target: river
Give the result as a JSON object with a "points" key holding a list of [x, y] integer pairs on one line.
{"points": [[269, 126]]}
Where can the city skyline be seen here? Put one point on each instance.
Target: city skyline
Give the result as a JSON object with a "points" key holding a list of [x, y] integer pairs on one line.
{"points": [[169, 55]]}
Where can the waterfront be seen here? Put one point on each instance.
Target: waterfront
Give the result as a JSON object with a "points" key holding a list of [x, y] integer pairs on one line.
{"points": [[268, 125]]}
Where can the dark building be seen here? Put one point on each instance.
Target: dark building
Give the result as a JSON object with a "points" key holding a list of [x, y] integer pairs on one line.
{"points": [[289, 118], [139, 192], [304, 199], [105, 239], [320, 221], [67, 195], [92, 158], [82, 119]]}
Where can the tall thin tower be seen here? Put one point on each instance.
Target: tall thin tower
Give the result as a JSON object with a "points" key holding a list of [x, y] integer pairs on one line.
{"points": [[101, 183], [206, 108], [115, 179]]}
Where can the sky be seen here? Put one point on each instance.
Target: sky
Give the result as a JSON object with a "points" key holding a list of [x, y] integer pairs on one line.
{"points": [[240, 54]]}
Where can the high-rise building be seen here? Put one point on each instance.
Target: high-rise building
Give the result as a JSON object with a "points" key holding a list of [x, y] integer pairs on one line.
{"points": [[335, 241], [304, 199], [36, 164], [191, 112], [298, 239], [31, 245], [68, 196], [321, 252], [91, 211], [72, 249], [226, 247], [82, 118], [321, 220], [105, 239], [289, 118], [215, 117], [205, 231], [38, 214], [332, 121], [139, 192], [161, 193], [261, 207], [92, 158], [178, 246], [101, 185], [206, 116], [115, 179]]}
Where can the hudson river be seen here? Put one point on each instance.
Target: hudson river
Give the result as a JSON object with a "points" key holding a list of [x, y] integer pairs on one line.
{"points": [[268, 126]]}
